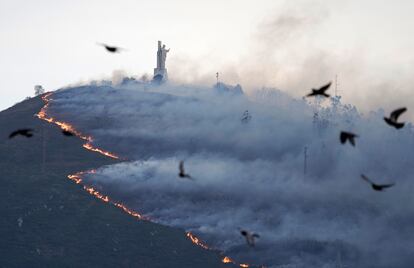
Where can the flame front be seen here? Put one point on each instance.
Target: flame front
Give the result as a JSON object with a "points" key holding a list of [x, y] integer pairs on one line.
{"points": [[197, 241], [78, 180], [65, 126]]}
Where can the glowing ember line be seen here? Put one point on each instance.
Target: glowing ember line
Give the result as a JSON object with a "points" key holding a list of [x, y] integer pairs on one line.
{"points": [[65, 126], [78, 180], [197, 241], [89, 147]]}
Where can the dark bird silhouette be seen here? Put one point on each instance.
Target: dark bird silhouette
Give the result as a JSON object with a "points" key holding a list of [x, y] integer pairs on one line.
{"points": [[250, 237], [26, 132], [347, 136], [320, 91], [67, 133], [376, 187], [182, 173], [111, 49], [392, 120], [246, 117]]}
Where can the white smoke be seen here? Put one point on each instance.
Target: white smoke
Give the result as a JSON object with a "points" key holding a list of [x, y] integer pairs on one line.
{"points": [[251, 175]]}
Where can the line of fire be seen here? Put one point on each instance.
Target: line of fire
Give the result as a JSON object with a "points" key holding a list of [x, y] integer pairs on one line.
{"points": [[77, 178]]}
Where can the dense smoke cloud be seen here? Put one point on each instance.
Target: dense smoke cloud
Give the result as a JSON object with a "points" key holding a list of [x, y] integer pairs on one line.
{"points": [[302, 43], [251, 175]]}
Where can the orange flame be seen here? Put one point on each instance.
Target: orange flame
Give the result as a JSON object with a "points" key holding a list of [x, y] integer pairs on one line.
{"points": [[89, 147], [197, 241], [227, 260], [77, 177], [65, 126]]}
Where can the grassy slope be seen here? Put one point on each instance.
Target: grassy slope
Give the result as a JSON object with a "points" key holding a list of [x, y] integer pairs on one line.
{"points": [[63, 226]]}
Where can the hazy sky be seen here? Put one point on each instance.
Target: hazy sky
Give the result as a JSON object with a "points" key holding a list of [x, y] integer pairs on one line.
{"points": [[276, 43]]}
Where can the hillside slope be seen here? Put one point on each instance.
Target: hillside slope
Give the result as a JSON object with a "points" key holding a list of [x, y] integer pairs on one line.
{"points": [[49, 221]]}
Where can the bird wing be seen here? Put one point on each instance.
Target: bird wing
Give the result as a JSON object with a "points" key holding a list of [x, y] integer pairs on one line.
{"points": [[352, 140], [366, 178], [325, 87], [343, 137], [181, 167], [313, 93], [395, 114], [13, 134], [27, 131], [387, 185]]}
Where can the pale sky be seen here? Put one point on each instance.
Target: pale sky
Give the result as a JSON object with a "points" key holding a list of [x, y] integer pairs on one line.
{"points": [[256, 43]]}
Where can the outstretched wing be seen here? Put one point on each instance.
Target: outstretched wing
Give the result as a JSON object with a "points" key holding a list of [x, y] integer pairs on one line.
{"points": [[325, 87], [13, 134], [101, 44], [181, 167], [343, 136], [310, 94], [352, 140], [387, 185], [365, 178], [395, 114]]}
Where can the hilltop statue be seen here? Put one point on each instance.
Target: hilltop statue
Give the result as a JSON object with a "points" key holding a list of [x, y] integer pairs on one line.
{"points": [[160, 73]]}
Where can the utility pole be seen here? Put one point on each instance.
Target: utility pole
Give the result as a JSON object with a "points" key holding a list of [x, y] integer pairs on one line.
{"points": [[305, 160]]}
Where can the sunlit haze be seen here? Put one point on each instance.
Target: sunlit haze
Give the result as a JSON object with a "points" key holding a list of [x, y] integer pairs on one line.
{"points": [[288, 45]]}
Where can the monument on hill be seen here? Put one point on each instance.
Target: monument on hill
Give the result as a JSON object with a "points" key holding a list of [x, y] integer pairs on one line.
{"points": [[160, 73]]}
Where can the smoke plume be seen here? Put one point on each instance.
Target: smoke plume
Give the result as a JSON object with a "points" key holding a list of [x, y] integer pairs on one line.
{"points": [[251, 175]]}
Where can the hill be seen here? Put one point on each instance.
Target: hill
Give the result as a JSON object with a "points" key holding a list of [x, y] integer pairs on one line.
{"points": [[49, 221]]}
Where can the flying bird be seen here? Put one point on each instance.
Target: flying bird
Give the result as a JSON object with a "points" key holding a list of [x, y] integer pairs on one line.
{"points": [[348, 136], [26, 132], [376, 187], [67, 133], [321, 91], [111, 49], [250, 237], [246, 117], [392, 120], [182, 173]]}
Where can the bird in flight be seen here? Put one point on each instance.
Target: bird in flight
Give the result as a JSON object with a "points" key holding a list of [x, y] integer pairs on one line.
{"points": [[392, 120], [250, 237], [111, 49], [26, 132], [376, 187], [347, 136], [246, 117], [67, 133], [320, 91], [182, 173]]}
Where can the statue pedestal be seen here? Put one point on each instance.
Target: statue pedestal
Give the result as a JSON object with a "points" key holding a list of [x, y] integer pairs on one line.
{"points": [[160, 75]]}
